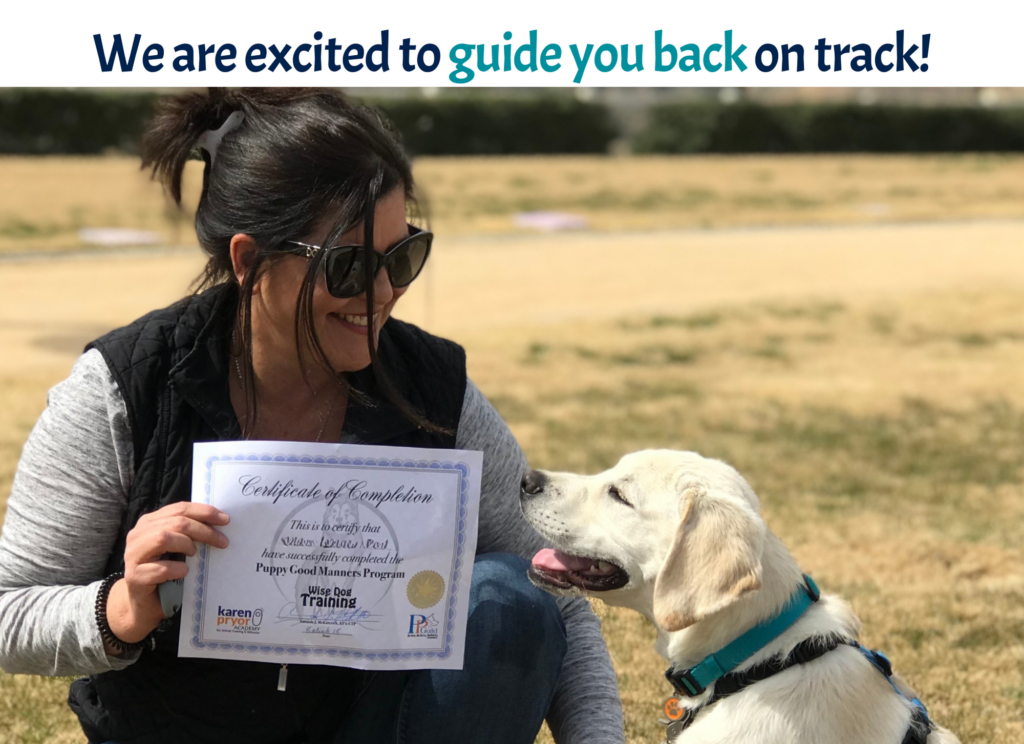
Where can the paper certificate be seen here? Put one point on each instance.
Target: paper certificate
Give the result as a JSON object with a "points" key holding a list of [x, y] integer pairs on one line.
{"points": [[345, 555]]}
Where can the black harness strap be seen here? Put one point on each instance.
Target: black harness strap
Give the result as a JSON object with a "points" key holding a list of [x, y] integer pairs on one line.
{"points": [[802, 653], [920, 724], [920, 727]]}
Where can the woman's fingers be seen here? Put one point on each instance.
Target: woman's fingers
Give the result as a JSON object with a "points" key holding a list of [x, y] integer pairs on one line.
{"points": [[172, 534], [198, 531], [157, 572], [133, 608], [157, 542], [199, 512]]}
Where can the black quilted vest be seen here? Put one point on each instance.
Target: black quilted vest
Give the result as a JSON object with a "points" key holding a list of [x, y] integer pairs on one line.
{"points": [[172, 369]]}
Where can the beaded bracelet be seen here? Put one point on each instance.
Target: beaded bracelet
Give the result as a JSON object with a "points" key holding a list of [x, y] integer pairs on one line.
{"points": [[106, 633]]}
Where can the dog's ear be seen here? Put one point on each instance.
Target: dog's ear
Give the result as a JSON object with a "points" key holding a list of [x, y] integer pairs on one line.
{"points": [[715, 559]]}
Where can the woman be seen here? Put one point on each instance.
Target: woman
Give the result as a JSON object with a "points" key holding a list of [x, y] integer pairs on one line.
{"points": [[291, 340]]}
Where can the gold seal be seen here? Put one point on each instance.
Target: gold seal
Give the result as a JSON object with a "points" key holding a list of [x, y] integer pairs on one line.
{"points": [[425, 589]]}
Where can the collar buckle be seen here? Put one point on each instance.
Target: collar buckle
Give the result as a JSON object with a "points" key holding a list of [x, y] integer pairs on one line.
{"points": [[684, 682]]}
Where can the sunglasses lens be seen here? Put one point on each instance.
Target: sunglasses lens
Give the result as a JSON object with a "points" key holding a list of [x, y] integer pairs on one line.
{"points": [[407, 262], [344, 272]]}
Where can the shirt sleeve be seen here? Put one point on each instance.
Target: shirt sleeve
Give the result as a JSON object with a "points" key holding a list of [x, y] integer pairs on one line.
{"points": [[69, 494], [586, 706]]}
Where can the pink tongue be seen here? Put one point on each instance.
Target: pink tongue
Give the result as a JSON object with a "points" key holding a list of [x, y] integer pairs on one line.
{"points": [[555, 560]]}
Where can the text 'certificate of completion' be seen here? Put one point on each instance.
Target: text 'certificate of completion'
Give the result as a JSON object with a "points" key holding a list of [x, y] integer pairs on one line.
{"points": [[346, 555]]}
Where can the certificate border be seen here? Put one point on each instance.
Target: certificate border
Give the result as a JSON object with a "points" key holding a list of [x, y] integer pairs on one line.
{"points": [[389, 655]]}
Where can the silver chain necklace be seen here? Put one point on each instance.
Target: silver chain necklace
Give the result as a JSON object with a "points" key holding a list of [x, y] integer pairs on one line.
{"points": [[323, 418]]}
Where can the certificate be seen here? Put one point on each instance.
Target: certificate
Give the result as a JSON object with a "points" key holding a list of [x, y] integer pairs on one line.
{"points": [[345, 555]]}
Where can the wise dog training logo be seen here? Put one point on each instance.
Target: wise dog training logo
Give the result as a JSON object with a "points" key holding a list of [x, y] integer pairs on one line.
{"points": [[423, 626], [239, 621]]}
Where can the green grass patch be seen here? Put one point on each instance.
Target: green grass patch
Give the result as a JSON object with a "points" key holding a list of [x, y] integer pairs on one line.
{"points": [[646, 356], [630, 392], [998, 633], [821, 312], [772, 347], [536, 353], [693, 322], [882, 324], [917, 638], [17, 228]]}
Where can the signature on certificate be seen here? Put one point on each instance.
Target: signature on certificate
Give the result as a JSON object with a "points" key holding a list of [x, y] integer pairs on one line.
{"points": [[321, 616]]}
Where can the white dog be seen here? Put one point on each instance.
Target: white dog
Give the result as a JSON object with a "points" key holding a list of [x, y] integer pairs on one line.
{"points": [[679, 538]]}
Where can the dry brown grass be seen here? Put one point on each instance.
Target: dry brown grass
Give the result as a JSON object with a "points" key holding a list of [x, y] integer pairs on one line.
{"points": [[45, 201], [865, 379], [480, 194]]}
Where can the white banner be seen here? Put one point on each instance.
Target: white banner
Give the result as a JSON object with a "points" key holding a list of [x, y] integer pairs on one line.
{"points": [[528, 43]]}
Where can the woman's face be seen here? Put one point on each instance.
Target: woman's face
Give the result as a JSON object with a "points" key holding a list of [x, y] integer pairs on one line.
{"points": [[342, 325]]}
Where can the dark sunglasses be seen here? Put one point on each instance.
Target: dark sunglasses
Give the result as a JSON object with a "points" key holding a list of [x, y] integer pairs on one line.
{"points": [[345, 269]]}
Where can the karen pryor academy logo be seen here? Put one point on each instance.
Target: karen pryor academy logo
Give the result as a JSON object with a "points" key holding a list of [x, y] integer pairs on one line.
{"points": [[239, 621]]}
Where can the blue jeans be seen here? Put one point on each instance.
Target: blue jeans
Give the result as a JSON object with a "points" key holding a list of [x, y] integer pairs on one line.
{"points": [[515, 643]]}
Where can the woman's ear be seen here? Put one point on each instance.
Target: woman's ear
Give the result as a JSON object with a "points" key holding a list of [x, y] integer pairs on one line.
{"points": [[715, 559], [243, 254]]}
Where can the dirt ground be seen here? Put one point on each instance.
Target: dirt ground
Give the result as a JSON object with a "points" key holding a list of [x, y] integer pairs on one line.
{"points": [[473, 286], [865, 378]]}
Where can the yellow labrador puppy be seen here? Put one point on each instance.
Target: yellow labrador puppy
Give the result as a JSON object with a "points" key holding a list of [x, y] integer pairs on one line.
{"points": [[757, 654]]}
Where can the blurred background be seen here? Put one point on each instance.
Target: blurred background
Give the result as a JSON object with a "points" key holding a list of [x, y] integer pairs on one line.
{"points": [[638, 159], [824, 287]]}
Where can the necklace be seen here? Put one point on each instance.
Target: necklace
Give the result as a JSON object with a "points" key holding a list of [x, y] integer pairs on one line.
{"points": [[324, 418]]}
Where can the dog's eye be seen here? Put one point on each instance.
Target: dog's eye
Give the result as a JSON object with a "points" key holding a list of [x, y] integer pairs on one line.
{"points": [[615, 494]]}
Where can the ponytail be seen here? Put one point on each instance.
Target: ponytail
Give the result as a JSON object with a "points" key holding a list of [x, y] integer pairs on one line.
{"points": [[170, 139]]}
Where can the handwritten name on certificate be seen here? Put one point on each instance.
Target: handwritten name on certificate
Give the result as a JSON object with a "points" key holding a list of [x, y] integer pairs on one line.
{"points": [[345, 555]]}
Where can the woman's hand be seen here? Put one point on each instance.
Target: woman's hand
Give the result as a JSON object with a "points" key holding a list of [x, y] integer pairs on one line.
{"points": [[133, 605]]}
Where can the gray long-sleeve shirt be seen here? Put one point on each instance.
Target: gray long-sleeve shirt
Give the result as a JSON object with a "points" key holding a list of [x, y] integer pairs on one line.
{"points": [[70, 492]]}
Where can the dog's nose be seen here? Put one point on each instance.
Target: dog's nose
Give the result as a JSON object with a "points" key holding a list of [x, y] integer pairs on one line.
{"points": [[533, 482]]}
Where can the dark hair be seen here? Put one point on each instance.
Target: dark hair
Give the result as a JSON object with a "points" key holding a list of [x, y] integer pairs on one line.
{"points": [[300, 156]]}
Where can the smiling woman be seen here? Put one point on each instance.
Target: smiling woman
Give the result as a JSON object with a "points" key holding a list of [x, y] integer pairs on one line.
{"points": [[304, 218], [330, 174]]}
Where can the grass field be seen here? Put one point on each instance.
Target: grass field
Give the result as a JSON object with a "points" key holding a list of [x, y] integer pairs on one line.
{"points": [[44, 202], [865, 379]]}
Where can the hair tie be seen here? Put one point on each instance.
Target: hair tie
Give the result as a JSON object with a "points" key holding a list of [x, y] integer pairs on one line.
{"points": [[210, 139]]}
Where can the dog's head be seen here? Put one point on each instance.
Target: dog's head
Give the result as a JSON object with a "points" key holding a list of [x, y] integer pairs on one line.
{"points": [[672, 534]]}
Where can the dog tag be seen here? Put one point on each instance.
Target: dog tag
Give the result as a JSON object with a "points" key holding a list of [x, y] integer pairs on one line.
{"points": [[675, 719], [673, 710], [675, 730]]}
